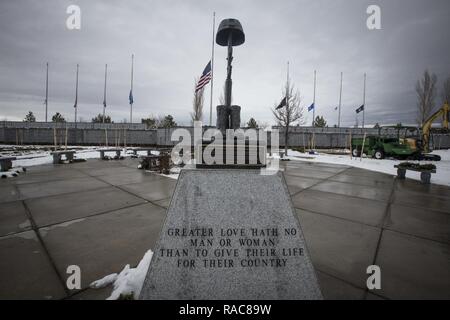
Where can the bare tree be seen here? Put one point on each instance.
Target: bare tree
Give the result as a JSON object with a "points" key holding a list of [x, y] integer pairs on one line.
{"points": [[426, 93], [197, 104], [446, 91], [290, 113]]}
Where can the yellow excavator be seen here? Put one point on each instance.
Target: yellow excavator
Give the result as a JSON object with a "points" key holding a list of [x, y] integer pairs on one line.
{"points": [[443, 112]]}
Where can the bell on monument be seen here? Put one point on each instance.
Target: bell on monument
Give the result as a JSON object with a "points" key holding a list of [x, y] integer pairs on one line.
{"points": [[227, 27]]}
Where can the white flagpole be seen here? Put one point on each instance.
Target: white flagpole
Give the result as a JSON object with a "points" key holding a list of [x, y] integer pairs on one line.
{"points": [[314, 100], [46, 95], [104, 94], [364, 99], [340, 101], [131, 90], [287, 111], [76, 97], [287, 83], [212, 69]]}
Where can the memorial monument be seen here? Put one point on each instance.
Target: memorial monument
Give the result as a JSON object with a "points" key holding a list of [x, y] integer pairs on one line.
{"points": [[235, 153], [230, 232], [229, 34]]}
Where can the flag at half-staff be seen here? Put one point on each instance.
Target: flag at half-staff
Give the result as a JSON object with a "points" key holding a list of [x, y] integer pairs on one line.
{"points": [[205, 78], [282, 104], [311, 107], [361, 108], [130, 97]]}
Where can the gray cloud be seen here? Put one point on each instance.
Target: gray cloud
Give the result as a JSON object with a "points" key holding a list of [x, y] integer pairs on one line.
{"points": [[171, 41]]}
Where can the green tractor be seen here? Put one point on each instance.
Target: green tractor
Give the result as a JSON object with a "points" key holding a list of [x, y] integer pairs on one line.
{"points": [[407, 145], [381, 147]]}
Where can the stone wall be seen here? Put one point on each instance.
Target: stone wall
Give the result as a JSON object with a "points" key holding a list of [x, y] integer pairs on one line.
{"points": [[138, 134]]}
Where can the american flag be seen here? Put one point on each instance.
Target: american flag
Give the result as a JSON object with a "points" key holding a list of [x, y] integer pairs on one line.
{"points": [[204, 79]]}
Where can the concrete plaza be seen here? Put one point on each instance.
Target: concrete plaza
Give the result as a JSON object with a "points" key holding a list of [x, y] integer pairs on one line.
{"points": [[102, 215]]}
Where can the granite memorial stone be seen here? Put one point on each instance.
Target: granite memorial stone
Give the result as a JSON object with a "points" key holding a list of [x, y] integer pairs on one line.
{"points": [[231, 234]]}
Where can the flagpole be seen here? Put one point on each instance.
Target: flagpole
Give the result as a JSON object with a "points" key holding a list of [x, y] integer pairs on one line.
{"points": [[287, 83], [46, 95], [314, 100], [104, 94], [287, 87], [131, 90], [340, 101], [364, 99], [287, 111], [76, 97], [212, 69]]}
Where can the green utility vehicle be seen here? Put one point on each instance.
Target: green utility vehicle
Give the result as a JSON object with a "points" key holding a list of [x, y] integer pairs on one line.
{"points": [[380, 147]]}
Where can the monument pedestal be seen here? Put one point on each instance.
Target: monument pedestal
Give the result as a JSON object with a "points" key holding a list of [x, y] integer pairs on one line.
{"points": [[231, 234]]}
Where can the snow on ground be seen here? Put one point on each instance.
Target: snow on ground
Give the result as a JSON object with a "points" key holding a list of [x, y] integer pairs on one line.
{"points": [[39, 156], [128, 282], [11, 173], [174, 173], [442, 175]]}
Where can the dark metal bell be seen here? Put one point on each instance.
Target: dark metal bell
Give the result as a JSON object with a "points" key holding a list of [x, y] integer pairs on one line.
{"points": [[227, 27]]}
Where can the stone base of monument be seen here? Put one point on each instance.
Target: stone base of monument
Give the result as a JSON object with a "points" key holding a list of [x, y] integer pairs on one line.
{"points": [[231, 234]]}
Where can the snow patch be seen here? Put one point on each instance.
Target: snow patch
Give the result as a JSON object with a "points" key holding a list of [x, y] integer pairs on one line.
{"points": [[442, 175], [128, 282]]}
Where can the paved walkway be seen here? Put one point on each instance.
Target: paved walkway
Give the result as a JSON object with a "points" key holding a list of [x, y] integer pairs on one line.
{"points": [[101, 215]]}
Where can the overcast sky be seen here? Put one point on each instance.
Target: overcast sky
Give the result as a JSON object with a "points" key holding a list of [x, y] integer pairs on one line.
{"points": [[171, 41]]}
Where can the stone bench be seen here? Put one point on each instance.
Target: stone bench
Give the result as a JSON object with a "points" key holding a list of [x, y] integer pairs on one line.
{"points": [[149, 150], [57, 155], [6, 163], [163, 150], [425, 175], [103, 151]]}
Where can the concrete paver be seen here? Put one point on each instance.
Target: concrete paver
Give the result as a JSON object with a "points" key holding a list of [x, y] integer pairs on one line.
{"points": [[377, 181], [153, 190], [8, 192], [39, 177], [338, 247], [413, 268], [350, 190], [308, 173], [422, 200], [70, 206], [104, 244], [429, 224], [108, 170], [370, 212], [49, 188], [13, 218], [25, 271], [300, 182], [123, 178], [336, 289]]}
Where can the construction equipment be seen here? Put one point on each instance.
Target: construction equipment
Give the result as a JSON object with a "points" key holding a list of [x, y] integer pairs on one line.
{"points": [[379, 147], [426, 126]]}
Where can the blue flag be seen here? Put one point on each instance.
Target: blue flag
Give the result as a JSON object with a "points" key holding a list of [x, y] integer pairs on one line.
{"points": [[311, 107], [131, 97]]}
